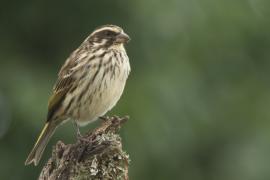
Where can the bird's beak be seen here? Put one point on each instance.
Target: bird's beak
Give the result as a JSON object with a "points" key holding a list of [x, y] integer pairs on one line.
{"points": [[122, 38]]}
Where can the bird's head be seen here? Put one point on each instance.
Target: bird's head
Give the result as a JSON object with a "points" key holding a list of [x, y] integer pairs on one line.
{"points": [[108, 35]]}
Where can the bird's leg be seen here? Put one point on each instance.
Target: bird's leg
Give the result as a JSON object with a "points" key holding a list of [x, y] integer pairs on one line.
{"points": [[79, 135]]}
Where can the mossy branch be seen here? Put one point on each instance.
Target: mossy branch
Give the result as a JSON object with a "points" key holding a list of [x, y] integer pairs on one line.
{"points": [[97, 155]]}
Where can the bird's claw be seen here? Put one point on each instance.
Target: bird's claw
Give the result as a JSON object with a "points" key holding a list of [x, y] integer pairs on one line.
{"points": [[104, 118]]}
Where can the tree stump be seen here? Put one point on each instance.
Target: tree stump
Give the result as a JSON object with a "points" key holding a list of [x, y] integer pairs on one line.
{"points": [[96, 155]]}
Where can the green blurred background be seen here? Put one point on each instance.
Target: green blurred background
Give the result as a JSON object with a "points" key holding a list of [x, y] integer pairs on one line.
{"points": [[198, 94]]}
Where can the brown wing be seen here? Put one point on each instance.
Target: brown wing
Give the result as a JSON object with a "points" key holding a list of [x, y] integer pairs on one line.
{"points": [[63, 84]]}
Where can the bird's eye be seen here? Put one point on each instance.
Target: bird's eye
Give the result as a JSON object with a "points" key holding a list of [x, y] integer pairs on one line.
{"points": [[109, 33]]}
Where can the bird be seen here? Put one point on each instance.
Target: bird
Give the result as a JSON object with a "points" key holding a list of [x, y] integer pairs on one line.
{"points": [[89, 84]]}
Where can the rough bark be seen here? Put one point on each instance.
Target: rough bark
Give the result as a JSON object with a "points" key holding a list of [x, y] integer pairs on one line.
{"points": [[96, 155]]}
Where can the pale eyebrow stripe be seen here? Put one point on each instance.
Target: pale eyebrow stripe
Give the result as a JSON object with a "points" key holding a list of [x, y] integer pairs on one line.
{"points": [[105, 28]]}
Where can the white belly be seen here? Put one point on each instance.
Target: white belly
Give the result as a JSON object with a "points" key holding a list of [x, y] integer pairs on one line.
{"points": [[103, 94], [100, 104]]}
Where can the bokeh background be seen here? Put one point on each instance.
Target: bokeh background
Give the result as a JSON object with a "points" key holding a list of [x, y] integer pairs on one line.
{"points": [[198, 95]]}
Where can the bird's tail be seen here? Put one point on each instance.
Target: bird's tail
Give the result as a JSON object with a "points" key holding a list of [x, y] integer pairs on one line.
{"points": [[43, 139]]}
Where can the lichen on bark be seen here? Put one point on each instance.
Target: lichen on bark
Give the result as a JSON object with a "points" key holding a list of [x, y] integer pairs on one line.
{"points": [[96, 155]]}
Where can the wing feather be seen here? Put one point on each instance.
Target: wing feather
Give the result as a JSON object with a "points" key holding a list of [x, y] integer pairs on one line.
{"points": [[63, 84]]}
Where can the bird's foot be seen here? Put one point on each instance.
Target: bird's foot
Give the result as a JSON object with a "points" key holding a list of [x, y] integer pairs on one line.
{"points": [[104, 118], [117, 119], [80, 137]]}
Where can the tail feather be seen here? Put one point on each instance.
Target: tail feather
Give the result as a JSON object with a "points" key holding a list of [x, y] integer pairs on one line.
{"points": [[43, 139]]}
